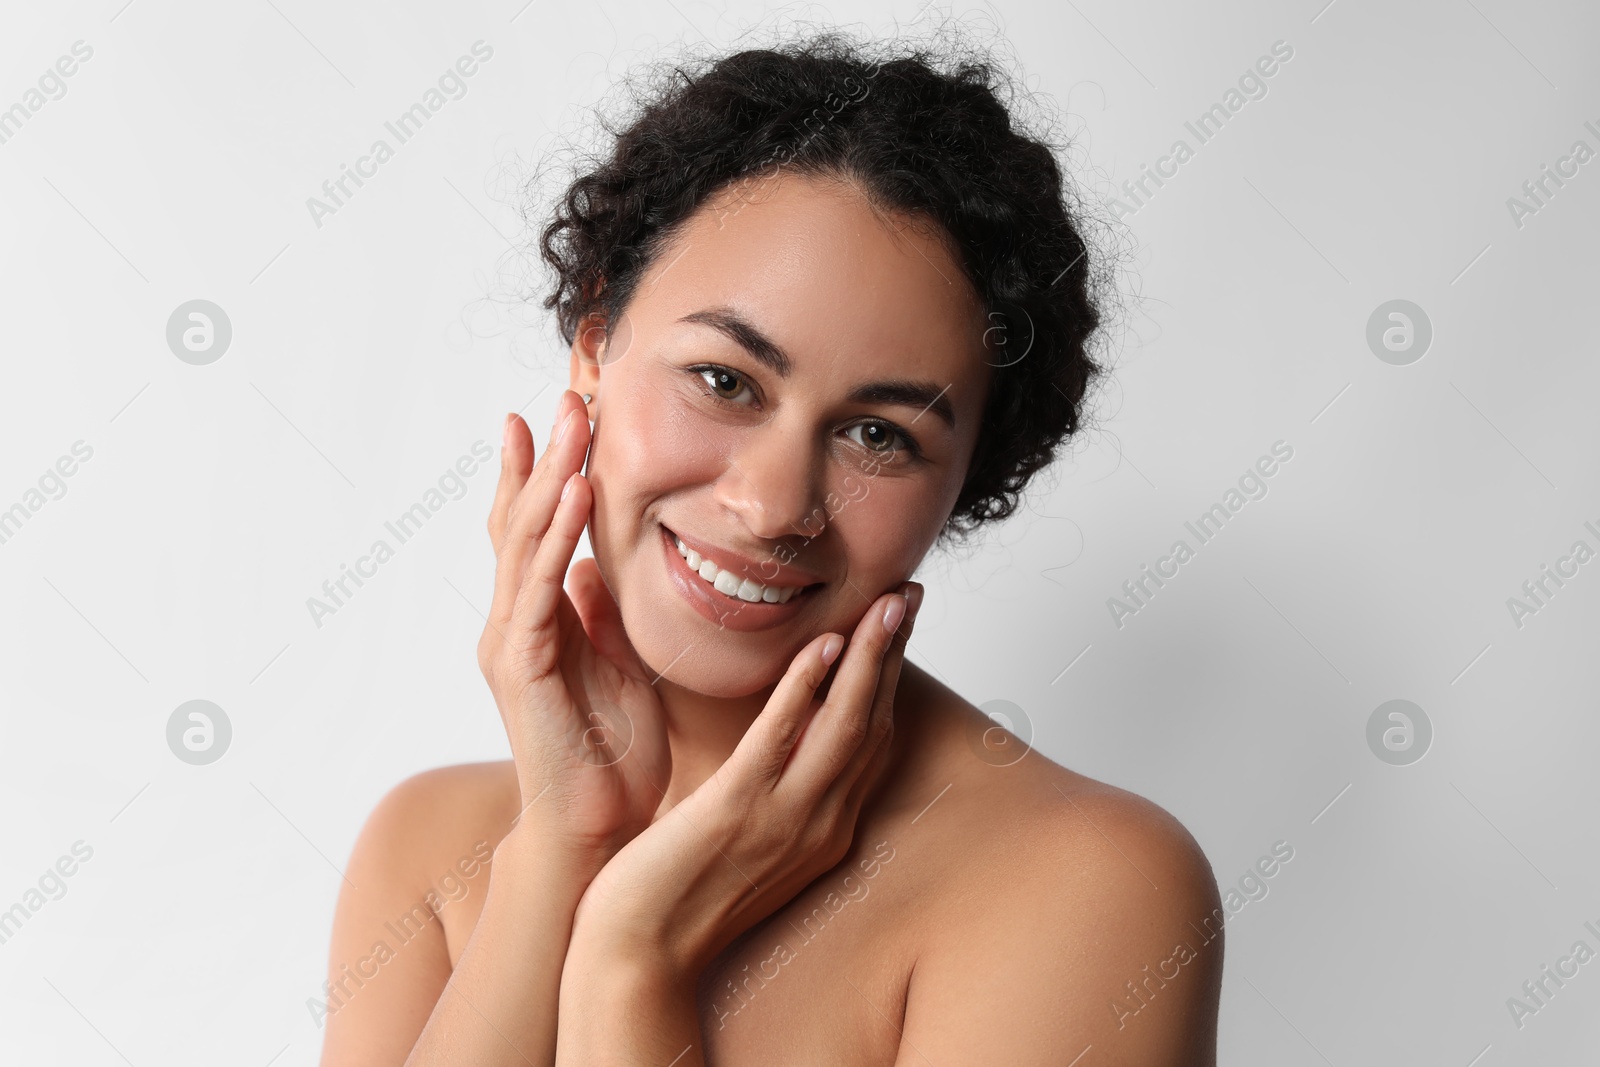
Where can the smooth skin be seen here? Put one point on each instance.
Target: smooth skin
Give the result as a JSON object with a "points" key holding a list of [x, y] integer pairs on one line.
{"points": [[769, 846]]}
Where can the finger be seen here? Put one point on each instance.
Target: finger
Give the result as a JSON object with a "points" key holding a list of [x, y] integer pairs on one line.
{"points": [[540, 461], [516, 462], [871, 773], [599, 615], [533, 614], [842, 726], [880, 719], [766, 745], [534, 506]]}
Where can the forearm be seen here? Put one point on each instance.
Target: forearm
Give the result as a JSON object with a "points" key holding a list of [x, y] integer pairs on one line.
{"points": [[620, 1008], [501, 1003]]}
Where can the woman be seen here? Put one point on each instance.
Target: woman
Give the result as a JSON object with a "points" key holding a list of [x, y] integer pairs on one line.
{"points": [[822, 310]]}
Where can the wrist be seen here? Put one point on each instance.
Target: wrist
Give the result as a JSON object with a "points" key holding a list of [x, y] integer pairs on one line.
{"points": [[531, 846], [629, 938], [623, 1009], [605, 970]]}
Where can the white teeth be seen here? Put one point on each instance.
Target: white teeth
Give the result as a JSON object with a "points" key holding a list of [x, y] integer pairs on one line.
{"points": [[730, 584]]}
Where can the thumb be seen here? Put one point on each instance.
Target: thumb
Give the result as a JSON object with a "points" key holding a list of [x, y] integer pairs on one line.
{"points": [[601, 618]]}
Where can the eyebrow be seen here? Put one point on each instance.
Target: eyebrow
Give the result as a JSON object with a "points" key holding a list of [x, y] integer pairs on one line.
{"points": [[901, 391]]}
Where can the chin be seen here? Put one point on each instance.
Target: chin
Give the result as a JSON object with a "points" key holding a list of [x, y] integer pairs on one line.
{"points": [[720, 663]]}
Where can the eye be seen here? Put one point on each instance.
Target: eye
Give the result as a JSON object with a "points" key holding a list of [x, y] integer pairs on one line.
{"points": [[882, 437], [724, 383]]}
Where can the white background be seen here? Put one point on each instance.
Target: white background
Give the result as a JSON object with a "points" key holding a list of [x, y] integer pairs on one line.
{"points": [[370, 353]]}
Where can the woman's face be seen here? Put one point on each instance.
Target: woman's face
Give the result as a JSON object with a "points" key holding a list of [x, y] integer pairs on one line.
{"points": [[795, 392]]}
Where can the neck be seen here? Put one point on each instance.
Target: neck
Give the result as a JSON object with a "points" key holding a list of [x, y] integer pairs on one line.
{"points": [[702, 732]]}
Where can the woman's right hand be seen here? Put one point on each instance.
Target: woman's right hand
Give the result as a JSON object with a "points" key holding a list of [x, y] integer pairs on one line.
{"points": [[573, 695]]}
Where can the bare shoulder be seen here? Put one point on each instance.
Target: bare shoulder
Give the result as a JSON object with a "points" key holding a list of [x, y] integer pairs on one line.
{"points": [[440, 807], [407, 903], [1092, 912], [1103, 853], [1032, 816], [430, 839]]}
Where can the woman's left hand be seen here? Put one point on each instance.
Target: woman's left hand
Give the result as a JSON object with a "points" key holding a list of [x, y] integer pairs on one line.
{"points": [[779, 813]]}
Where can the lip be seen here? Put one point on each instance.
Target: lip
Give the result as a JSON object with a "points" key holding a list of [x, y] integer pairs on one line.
{"points": [[728, 612], [761, 571]]}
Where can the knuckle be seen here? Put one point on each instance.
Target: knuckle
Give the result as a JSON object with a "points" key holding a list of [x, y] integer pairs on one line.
{"points": [[550, 578], [741, 822], [770, 754], [540, 660], [824, 825], [833, 837], [882, 727], [842, 847], [853, 731], [841, 827], [811, 675], [817, 836], [841, 834], [532, 670]]}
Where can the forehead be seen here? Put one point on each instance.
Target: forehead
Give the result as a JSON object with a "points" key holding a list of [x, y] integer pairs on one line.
{"points": [[834, 281]]}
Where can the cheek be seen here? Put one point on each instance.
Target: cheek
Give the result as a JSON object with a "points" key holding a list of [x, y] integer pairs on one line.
{"points": [[645, 450], [646, 445], [884, 525]]}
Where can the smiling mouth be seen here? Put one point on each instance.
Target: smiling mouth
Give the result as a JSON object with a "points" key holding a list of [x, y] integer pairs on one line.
{"points": [[733, 586]]}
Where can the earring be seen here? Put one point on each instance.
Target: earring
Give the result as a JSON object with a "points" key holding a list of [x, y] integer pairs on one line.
{"points": [[587, 398]]}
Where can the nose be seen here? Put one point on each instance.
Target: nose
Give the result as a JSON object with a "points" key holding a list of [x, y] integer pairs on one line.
{"points": [[772, 484]]}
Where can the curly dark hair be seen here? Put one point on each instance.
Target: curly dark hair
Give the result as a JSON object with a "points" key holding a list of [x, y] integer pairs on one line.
{"points": [[932, 143]]}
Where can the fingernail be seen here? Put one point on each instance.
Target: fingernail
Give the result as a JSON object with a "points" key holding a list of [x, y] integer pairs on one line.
{"points": [[914, 595], [894, 612], [505, 431], [565, 489], [561, 431], [830, 649]]}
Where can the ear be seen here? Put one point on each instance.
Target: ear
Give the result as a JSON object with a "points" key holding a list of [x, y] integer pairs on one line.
{"points": [[588, 352]]}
